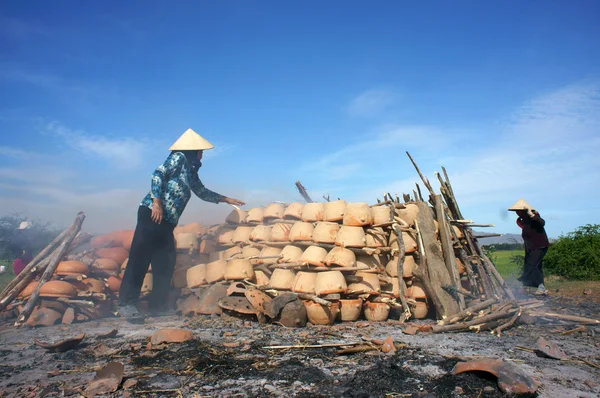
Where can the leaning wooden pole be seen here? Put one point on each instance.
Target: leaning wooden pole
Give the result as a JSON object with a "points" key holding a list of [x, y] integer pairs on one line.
{"points": [[303, 192], [400, 269]]}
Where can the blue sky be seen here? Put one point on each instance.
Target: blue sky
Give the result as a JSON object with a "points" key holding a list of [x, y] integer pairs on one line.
{"points": [[506, 95]]}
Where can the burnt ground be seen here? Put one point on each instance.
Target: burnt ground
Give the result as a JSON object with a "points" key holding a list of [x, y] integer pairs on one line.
{"points": [[228, 358]]}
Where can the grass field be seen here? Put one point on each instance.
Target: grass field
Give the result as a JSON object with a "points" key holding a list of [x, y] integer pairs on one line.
{"points": [[502, 260], [6, 276]]}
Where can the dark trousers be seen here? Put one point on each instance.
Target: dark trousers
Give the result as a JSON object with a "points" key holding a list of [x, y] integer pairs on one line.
{"points": [[152, 243], [533, 274]]}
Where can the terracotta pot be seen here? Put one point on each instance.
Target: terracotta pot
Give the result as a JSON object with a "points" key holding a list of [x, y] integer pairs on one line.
{"points": [[291, 254], [281, 232], [460, 266], [350, 310], [236, 217], [255, 215], [262, 279], [408, 214], [351, 237], [325, 232], [242, 234], [220, 255], [207, 246], [314, 255], [215, 271], [72, 268], [301, 231], [146, 284], [293, 211], [381, 214], [105, 265], [183, 260], [313, 212], [416, 291], [341, 256], [409, 265], [369, 284], [304, 282], [58, 289], [28, 290], [90, 285], [330, 282], [375, 237], [334, 211], [261, 233], [179, 279], [114, 239], [376, 312], [194, 228], [273, 211], [410, 244], [41, 316], [117, 254], [369, 263], [232, 252], [421, 310], [225, 236], [358, 215], [196, 276], [269, 252], [282, 279], [114, 284], [459, 232], [392, 288], [319, 314], [187, 242], [250, 251], [239, 270], [124, 264]]}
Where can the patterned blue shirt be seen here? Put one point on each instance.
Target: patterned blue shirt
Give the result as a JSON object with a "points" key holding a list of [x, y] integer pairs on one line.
{"points": [[172, 183]]}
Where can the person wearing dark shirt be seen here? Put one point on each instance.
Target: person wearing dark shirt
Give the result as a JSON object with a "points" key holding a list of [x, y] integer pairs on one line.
{"points": [[158, 214], [536, 245], [20, 244]]}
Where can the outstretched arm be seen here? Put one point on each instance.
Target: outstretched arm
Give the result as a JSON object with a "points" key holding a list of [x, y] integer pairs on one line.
{"points": [[206, 194]]}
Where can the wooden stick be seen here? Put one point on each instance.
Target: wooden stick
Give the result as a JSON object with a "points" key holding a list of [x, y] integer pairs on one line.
{"points": [[406, 314], [302, 346], [425, 180], [474, 322], [315, 298], [507, 325], [62, 249], [572, 318], [303, 192], [468, 312], [577, 329]]}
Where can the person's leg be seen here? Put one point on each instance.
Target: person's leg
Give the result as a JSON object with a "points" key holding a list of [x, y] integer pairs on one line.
{"points": [[526, 277], [538, 274], [163, 264], [140, 254]]}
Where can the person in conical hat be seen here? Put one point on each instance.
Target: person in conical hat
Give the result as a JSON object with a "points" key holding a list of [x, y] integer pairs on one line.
{"points": [[21, 245], [536, 245], [158, 214]]}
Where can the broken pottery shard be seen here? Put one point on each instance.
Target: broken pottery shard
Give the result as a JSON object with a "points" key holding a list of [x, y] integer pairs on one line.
{"points": [[257, 299], [209, 303], [189, 305], [550, 349], [273, 307], [43, 317], [108, 335], [388, 346], [511, 380], [293, 314], [106, 380], [68, 316], [410, 329], [61, 346], [129, 384], [237, 304], [171, 336], [236, 288]]}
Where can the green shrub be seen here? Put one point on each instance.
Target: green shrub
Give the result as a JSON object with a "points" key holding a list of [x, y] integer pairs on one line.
{"points": [[575, 255], [41, 234]]}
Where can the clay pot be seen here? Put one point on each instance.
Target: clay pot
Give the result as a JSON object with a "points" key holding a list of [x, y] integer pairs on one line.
{"points": [[114, 283], [341, 256], [179, 279], [375, 237], [459, 232], [293, 211], [381, 214], [124, 264], [416, 291], [262, 279], [242, 234], [460, 265], [238, 270], [314, 255], [330, 282], [58, 289], [392, 288], [301, 232], [41, 316], [369, 263], [236, 217], [147, 284], [410, 244], [28, 290], [72, 268], [261, 233], [282, 279], [255, 215], [334, 211], [408, 214], [232, 252], [186, 241], [196, 276], [351, 237], [350, 310], [369, 284], [105, 265], [225, 236], [215, 271], [269, 252], [194, 228], [319, 314], [207, 246], [280, 232], [117, 254], [273, 211], [291, 254], [421, 310], [220, 255], [313, 212], [90, 285], [376, 312], [114, 239], [358, 215], [304, 282], [392, 267], [325, 232], [250, 251]]}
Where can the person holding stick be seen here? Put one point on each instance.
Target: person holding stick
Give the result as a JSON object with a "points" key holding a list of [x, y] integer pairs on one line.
{"points": [[536, 245], [158, 215]]}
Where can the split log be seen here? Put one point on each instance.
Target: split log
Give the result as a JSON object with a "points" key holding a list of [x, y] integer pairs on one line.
{"points": [[572, 318], [406, 314], [303, 192], [468, 312], [315, 298], [477, 321]]}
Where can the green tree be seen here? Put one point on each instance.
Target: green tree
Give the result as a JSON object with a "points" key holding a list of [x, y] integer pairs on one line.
{"points": [[576, 255], [42, 233]]}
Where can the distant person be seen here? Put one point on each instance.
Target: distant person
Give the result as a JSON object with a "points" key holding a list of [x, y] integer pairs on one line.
{"points": [[536, 245], [158, 215], [21, 247]]}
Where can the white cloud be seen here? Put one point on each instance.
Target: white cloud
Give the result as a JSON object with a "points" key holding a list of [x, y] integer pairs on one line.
{"points": [[371, 103]]}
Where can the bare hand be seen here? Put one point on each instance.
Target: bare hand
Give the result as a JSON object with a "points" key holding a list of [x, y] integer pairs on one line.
{"points": [[232, 201], [531, 213], [157, 211]]}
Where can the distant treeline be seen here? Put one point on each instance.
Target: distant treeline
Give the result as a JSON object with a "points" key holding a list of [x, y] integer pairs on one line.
{"points": [[504, 246]]}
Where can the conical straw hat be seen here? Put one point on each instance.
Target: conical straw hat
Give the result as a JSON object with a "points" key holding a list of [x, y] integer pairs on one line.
{"points": [[520, 205], [190, 141]]}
